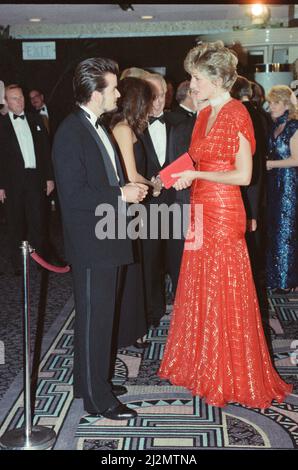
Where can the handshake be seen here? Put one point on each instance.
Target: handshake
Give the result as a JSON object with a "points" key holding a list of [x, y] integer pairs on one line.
{"points": [[136, 192]]}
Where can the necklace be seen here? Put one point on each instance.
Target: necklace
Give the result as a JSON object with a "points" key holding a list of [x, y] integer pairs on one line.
{"points": [[220, 99]]}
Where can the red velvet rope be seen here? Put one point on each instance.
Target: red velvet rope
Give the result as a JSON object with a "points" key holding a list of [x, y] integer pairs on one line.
{"points": [[48, 266]]}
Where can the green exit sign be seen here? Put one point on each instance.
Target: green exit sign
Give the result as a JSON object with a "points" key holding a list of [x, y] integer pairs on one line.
{"points": [[39, 50]]}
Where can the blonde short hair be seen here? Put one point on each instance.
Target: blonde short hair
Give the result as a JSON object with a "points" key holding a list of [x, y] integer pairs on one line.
{"points": [[285, 94], [215, 61], [158, 77], [134, 72]]}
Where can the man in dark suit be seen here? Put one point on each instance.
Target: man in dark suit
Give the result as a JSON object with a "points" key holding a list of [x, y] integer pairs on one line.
{"points": [[25, 173], [179, 142], [252, 194], [186, 107], [90, 182], [39, 106], [155, 142]]}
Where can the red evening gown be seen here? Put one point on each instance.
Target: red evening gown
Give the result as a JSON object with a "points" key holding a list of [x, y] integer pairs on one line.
{"points": [[216, 345]]}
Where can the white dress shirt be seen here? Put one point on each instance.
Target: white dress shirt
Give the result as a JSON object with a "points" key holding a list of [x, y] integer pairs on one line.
{"points": [[43, 111], [158, 134], [103, 137], [24, 136]]}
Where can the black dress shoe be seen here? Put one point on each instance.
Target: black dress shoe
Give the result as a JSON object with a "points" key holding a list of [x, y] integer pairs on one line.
{"points": [[118, 412], [281, 291], [141, 344], [119, 390]]}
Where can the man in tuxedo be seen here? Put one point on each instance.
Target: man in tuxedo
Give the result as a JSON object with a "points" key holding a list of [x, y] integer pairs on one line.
{"points": [[179, 142], [155, 142], [39, 106], [252, 194], [25, 174], [90, 179], [186, 108]]}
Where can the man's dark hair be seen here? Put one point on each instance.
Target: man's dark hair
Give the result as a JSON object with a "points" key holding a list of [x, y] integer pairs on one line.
{"points": [[242, 87], [90, 76]]}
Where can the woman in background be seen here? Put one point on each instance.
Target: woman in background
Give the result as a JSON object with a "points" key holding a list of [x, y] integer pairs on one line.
{"points": [[282, 190], [126, 125]]}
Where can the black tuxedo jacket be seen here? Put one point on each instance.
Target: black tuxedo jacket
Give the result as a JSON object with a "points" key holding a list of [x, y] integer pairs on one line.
{"points": [[179, 142], [178, 115], [55, 118], [152, 165], [85, 178], [252, 193], [11, 160]]}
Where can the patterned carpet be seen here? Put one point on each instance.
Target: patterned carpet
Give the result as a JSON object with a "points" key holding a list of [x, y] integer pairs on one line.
{"points": [[169, 417]]}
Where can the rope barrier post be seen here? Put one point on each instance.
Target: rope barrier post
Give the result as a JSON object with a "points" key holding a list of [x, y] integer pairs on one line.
{"points": [[27, 437]]}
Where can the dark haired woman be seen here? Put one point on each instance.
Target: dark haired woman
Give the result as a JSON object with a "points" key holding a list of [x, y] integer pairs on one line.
{"points": [[127, 124]]}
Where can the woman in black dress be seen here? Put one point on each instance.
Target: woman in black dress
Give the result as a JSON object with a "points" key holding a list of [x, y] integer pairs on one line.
{"points": [[127, 124]]}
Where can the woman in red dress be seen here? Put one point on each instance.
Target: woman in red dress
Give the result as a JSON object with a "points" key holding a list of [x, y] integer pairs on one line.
{"points": [[216, 346]]}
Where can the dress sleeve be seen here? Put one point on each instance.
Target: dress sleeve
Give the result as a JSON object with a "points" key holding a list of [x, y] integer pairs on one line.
{"points": [[243, 124]]}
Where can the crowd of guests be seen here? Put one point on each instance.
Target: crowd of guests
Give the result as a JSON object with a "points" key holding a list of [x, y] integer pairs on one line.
{"points": [[147, 135], [152, 129]]}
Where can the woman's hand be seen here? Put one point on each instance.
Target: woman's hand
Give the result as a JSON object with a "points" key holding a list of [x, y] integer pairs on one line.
{"points": [[185, 179], [269, 164]]}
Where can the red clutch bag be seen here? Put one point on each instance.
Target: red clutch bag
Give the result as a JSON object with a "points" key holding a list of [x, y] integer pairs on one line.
{"points": [[182, 163]]}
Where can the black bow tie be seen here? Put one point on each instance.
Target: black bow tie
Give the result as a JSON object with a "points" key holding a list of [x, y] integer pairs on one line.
{"points": [[16, 116], [42, 109], [152, 119], [99, 122], [191, 113]]}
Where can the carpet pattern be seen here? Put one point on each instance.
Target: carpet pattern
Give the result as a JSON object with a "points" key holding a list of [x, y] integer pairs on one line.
{"points": [[169, 417]]}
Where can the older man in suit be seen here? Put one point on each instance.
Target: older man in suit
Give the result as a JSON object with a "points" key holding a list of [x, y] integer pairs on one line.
{"points": [[25, 173], [186, 109], [155, 142], [90, 181]]}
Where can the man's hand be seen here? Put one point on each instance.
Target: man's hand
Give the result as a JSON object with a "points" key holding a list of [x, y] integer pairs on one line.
{"points": [[185, 179], [134, 192], [50, 187], [251, 225], [2, 195]]}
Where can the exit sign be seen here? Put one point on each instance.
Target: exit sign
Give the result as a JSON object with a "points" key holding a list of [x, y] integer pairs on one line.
{"points": [[39, 50]]}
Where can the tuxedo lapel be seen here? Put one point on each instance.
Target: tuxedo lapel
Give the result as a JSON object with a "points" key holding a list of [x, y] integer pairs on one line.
{"points": [[168, 128], [105, 156], [117, 160], [150, 150], [12, 137]]}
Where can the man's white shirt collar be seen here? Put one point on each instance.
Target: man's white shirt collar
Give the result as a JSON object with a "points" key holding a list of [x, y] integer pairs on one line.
{"points": [[93, 117]]}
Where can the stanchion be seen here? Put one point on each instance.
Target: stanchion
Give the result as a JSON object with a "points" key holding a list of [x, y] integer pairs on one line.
{"points": [[27, 437]]}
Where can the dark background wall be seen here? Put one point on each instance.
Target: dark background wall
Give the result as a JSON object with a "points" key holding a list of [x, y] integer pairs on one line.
{"points": [[55, 77]]}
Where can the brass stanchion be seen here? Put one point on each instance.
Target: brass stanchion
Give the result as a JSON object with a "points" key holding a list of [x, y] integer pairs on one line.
{"points": [[27, 437]]}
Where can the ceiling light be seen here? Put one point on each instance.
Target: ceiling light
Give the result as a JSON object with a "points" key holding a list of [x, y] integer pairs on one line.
{"points": [[257, 9], [35, 20], [259, 14], [146, 17]]}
